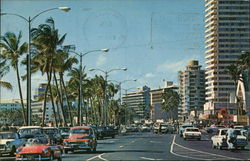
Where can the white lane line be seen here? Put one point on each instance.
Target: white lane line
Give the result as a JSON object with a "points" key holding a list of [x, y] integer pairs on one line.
{"points": [[97, 156], [121, 146], [149, 158], [173, 143]]}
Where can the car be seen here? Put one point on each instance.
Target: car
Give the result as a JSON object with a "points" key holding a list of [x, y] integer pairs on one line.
{"points": [[9, 142], [109, 132], [53, 133], [31, 132], [80, 138], [38, 149], [182, 128], [220, 141], [64, 131], [246, 132], [191, 133], [214, 128], [145, 128]]}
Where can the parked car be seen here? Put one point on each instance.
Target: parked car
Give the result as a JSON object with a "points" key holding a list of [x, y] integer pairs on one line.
{"points": [[80, 138], [53, 133], [109, 132], [182, 128], [191, 133], [246, 132], [214, 128], [220, 141], [37, 149], [64, 131], [145, 128], [9, 142], [30, 132]]}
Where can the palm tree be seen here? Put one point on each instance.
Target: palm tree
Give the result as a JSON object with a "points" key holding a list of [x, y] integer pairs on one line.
{"points": [[171, 100], [13, 49], [64, 63], [6, 85], [46, 41], [74, 84]]}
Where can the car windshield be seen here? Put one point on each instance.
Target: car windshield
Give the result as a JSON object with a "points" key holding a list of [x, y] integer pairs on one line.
{"points": [[237, 132], [80, 131], [49, 131], [65, 130], [7, 136], [36, 141], [192, 130], [185, 126], [30, 131]]}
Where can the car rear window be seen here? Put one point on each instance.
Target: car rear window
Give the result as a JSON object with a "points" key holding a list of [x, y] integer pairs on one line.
{"points": [[194, 130], [80, 131]]}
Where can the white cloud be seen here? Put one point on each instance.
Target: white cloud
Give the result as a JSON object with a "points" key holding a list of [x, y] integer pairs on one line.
{"points": [[172, 67], [149, 75], [101, 60]]}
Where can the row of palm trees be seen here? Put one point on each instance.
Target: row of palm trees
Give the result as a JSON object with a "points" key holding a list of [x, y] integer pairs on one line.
{"points": [[52, 59]]}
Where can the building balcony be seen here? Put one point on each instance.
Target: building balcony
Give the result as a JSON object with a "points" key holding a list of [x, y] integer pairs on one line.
{"points": [[211, 66], [212, 6], [212, 44], [211, 13], [212, 28], [213, 33], [210, 2], [212, 55], [211, 50], [211, 23], [212, 39]]}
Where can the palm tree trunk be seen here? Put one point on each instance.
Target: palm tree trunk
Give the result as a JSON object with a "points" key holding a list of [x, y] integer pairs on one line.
{"points": [[67, 99], [45, 101], [60, 100], [20, 93], [59, 117], [78, 108], [53, 105]]}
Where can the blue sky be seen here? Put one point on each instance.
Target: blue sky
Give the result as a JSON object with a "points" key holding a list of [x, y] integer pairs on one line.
{"points": [[151, 50]]}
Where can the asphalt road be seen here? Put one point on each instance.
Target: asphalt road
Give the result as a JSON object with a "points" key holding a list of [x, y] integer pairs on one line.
{"points": [[148, 146]]}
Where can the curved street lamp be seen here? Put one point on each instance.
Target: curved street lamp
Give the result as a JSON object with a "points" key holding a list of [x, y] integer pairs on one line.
{"points": [[29, 20], [105, 93], [79, 119]]}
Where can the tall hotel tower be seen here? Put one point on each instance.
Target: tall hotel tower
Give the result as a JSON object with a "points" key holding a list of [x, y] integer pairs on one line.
{"points": [[227, 33]]}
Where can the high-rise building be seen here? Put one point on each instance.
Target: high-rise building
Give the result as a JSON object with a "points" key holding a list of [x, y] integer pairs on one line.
{"points": [[227, 35], [138, 102], [192, 88]]}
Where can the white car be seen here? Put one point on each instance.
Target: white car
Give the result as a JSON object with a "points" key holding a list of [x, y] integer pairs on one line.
{"points": [[9, 142], [191, 133], [219, 141]]}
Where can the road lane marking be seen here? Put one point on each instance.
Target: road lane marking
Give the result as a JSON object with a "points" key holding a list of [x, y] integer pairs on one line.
{"points": [[211, 154], [121, 146], [149, 158], [97, 156]]}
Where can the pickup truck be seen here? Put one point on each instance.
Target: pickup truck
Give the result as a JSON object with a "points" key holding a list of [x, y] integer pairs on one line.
{"points": [[219, 140]]}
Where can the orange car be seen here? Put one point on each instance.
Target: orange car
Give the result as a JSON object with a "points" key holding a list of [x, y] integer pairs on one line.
{"points": [[37, 149], [80, 138]]}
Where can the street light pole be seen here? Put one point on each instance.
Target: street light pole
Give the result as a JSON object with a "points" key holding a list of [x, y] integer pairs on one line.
{"points": [[29, 21], [105, 89], [79, 119]]}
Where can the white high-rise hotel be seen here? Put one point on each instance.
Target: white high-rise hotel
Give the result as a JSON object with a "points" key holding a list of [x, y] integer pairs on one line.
{"points": [[227, 33]]}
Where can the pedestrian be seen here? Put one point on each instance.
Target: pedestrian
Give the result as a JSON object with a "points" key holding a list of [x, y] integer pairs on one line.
{"points": [[230, 137]]}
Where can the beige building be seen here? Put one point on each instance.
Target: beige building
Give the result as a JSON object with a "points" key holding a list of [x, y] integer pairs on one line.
{"points": [[227, 32], [192, 89]]}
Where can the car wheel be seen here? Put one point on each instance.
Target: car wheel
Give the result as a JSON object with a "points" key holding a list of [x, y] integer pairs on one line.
{"points": [[242, 148], [113, 136], [184, 138], [199, 139], [66, 151]]}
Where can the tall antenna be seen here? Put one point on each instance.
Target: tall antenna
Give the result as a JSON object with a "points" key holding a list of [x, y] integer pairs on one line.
{"points": [[151, 31]]}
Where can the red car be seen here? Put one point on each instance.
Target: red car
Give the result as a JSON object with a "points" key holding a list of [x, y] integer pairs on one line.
{"points": [[80, 138], [38, 149]]}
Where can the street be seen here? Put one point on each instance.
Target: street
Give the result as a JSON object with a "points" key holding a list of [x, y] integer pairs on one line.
{"points": [[148, 146]]}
